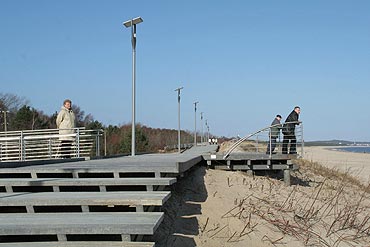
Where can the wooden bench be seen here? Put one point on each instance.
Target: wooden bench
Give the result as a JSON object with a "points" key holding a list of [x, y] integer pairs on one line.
{"points": [[49, 200], [18, 184], [64, 224], [79, 244]]}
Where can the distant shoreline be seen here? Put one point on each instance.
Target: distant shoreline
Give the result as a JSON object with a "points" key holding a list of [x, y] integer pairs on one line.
{"points": [[352, 149]]}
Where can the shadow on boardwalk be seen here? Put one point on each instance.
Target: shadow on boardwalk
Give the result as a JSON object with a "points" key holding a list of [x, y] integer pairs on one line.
{"points": [[180, 223]]}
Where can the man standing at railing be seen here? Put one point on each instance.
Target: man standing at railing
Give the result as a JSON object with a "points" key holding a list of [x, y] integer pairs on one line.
{"points": [[274, 134], [289, 131], [66, 122]]}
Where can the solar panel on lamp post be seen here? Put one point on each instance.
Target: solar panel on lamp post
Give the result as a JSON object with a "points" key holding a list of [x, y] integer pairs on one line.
{"points": [[132, 23]]}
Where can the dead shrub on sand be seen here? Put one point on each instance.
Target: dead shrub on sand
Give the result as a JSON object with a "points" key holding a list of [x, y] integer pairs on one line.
{"points": [[246, 146], [331, 211], [310, 167]]}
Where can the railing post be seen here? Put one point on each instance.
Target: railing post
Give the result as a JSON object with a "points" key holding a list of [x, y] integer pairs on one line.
{"points": [[105, 143], [97, 152], [257, 144], [302, 141], [49, 148], [78, 142], [22, 147], [270, 151]]}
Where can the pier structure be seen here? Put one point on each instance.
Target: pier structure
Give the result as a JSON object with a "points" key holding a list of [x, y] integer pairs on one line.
{"points": [[100, 202], [105, 202]]}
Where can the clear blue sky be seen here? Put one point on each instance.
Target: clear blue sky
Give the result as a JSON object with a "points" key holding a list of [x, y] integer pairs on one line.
{"points": [[244, 61]]}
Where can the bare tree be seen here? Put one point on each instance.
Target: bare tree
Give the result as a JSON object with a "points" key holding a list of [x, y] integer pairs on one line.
{"points": [[12, 102]]}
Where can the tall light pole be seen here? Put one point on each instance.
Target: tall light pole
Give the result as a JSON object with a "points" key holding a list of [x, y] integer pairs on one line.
{"points": [[178, 117], [201, 124], [207, 130], [132, 23], [195, 123]]}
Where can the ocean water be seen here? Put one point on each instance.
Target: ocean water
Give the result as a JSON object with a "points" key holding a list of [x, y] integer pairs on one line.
{"points": [[356, 149]]}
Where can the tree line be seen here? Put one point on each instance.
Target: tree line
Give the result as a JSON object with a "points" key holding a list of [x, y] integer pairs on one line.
{"points": [[21, 116]]}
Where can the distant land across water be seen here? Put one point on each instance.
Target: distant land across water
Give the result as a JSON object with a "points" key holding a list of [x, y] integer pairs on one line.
{"points": [[342, 145], [337, 143], [354, 149]]}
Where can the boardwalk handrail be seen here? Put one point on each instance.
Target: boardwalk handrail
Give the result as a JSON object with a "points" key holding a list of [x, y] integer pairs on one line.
{"points": [[241, 140], [46, 144]]}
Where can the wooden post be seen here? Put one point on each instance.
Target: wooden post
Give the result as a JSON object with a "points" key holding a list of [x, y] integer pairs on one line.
{"points": [[287, 177]]}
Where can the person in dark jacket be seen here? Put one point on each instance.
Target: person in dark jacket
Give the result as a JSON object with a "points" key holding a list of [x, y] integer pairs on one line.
{"points": [[274, 134], [289, 131]]}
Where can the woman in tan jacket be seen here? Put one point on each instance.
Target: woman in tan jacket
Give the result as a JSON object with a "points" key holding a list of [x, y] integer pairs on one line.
{"points": [[66, 122]]}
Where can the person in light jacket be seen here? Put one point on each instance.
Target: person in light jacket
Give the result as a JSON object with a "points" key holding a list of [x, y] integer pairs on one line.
{"points": [[66, 122], [274, 134]]}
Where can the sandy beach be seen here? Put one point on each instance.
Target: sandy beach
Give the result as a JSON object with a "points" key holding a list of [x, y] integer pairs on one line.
{"points": [[214, 208], [357, 164]]}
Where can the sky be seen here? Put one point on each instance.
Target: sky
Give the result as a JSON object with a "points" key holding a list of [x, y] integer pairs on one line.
{"points": [[244, 61]]}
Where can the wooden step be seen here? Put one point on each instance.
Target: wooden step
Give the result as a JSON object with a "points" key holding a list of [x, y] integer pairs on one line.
{"points": [[56, 183], [136, 199], [79, 244], [62, 224]]}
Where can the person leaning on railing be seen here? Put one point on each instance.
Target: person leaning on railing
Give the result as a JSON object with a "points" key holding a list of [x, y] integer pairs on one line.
{"points": [[289, 131], [274, 134], [66, 122]]}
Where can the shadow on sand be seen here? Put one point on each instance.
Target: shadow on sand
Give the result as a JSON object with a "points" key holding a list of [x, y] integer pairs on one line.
{"points": [[180, 223]]}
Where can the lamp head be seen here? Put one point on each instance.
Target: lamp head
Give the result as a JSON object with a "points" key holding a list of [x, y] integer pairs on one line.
{"points": [[133, 21]]}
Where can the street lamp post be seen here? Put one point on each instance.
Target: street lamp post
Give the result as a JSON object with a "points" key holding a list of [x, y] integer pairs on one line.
{"points": [[132, 23], [178, 117], [201, 124], [207, 130], [195, 123]]}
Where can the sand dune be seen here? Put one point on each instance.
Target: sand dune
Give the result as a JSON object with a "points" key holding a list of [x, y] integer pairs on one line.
{"points": [[214, 208]]}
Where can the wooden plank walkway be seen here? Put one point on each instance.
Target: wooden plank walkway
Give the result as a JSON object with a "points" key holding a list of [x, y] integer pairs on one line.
{"points": [[61, 224], [84, 199], [151, 171], [253, 162], [57, 184], [156, 165], [79, 244]]}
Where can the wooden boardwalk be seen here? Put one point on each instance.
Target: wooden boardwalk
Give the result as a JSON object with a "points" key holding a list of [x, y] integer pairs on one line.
{"points": [[251, 162], [107, 202], [79, 244], [40, 195], [153, 165], [63, 224], [81, 184], [29, 202]]}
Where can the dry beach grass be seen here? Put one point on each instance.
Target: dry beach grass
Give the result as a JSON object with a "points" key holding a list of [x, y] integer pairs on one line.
{"points": [[323, 207]]}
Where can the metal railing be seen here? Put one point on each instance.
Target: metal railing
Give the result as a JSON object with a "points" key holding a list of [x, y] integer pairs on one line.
{"points": [[46, 144], [261, 141]]}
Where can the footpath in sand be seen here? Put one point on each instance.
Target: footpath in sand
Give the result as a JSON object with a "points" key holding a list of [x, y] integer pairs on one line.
{"points": [[214, 208], [356, 164]]}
